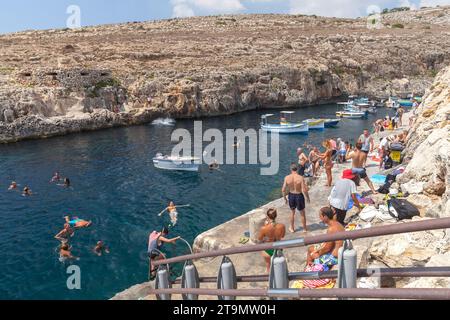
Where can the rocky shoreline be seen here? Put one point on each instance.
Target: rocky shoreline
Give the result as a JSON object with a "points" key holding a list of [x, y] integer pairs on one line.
{"points": [[62, 81]]}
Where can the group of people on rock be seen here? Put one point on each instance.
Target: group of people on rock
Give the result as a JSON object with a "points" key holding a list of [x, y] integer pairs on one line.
{"points": [[343, 194], [390, 123]]}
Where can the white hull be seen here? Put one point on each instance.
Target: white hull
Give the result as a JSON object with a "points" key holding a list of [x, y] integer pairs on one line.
{"points": [[174, 165], [351, 115], [285, 129]]}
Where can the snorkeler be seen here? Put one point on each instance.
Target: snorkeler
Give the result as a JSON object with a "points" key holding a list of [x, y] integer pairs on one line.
{"points": [[65, 234], [172, 208], [77, 222], [100, 248]]}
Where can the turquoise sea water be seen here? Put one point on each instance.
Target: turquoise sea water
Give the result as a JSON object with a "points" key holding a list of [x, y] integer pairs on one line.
{"points": [[116, 186]]}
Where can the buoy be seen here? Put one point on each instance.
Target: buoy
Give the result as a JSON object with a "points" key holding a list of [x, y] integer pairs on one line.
{"points": [[279, 272], [227, 279], [190, 280], [162, 282]]}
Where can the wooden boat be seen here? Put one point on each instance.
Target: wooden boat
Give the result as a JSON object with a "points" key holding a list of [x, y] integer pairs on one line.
{"points": [[316, 124], [332, 123], [285, 126], [176, 163]]}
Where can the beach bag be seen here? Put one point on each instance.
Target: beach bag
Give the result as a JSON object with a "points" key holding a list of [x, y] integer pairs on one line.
{"points": [[403, 209], [397, 146], [388, 163]]}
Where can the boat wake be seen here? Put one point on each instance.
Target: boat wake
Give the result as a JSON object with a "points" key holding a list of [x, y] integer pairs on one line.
{"points": [[164, 122]]}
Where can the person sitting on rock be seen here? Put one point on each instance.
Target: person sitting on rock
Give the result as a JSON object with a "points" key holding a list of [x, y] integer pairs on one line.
{"points": [[326, 253], [271, 232]]}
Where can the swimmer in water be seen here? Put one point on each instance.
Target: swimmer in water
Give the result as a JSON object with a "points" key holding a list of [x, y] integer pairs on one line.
{"points": [[214, 166], [172, 209], [67, 183], [26, 192], [56, 177], [64, 253], [100, 248], [77, 222], [65, 234], [13, 186]]}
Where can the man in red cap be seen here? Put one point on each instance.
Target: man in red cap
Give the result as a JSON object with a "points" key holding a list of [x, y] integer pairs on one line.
{"points": [[343, 191]]}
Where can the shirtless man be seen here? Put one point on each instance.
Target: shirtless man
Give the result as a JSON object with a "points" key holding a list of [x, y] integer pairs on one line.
{"points": [[99, 248], [314, 158], [298, 190], [358, 157], [302, 161], [271, 232], [326, 253], [65, 234], [367, 144], [13, 186], [64, 252]]}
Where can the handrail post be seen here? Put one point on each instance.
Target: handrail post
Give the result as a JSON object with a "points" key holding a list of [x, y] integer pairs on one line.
{"points": [[347, 266]]}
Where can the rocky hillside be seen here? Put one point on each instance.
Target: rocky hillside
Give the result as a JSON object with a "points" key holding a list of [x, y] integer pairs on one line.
{"points": [[59, 81], [427, 179]]}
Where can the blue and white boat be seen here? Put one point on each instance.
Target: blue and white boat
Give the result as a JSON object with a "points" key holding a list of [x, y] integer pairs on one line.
{"points": [[286, 126], [351, 114], [332, 123], [176, 163]]}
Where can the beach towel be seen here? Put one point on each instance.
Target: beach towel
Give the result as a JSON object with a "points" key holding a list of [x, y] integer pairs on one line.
{"points": [[378, 179], [314, 284]]}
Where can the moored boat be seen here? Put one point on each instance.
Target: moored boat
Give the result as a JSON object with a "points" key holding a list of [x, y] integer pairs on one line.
{"points": [[316, 124], [285, 125], [351, 114], [332, 123], [176, 163]]}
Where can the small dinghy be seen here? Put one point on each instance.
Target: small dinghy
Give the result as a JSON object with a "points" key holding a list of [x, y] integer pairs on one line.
{"points": [[176, 163]]}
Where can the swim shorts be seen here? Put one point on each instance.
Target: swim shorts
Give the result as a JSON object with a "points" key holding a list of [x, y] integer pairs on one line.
{"points": [[297, 201], [270, 252], [361, 172]]}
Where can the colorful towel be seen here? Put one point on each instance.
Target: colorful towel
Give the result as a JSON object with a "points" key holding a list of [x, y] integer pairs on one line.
{"points": [[314, 284]]}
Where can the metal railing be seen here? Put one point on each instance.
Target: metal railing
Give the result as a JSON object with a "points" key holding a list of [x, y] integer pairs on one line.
{"points": [[348, 290]]}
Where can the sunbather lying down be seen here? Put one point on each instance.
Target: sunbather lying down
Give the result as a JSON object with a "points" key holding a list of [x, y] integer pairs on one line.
{"points": [[326, 254]]}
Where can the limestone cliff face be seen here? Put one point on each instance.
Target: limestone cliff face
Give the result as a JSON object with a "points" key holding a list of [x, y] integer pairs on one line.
{"points": [[60, 81], [428, 150]]}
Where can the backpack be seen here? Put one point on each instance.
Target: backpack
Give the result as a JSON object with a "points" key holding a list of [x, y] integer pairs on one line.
{"points": [[403, 208], [390, 179], [388, 163], [397, 146]]}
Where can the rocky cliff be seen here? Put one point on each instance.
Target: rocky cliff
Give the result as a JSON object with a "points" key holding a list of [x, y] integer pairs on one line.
{"points": [[59, 81], [427, 179]]}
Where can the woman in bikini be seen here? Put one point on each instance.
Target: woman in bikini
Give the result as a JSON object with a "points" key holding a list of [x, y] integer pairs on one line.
{"points": [[271, 232], [328, 163]]}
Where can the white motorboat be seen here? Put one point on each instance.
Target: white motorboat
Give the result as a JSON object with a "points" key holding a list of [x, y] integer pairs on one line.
{"points": [[176, 163], [285, 125], [351, 114]]}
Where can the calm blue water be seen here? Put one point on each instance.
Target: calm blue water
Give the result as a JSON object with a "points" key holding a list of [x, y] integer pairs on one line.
{"points": [[116, 186]]}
